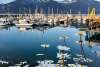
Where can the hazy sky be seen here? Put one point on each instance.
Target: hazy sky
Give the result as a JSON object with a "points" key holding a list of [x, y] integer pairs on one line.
{"points": [[6, 1]]}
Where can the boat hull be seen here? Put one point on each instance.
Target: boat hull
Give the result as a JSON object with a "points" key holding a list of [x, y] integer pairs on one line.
{"points": [[23, 24]]}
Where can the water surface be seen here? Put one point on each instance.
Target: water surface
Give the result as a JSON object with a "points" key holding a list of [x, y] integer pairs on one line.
{"points": [[16, 45]]}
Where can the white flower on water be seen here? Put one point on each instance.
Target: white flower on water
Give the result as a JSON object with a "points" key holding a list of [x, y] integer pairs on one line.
{"points": [[60, 47]]}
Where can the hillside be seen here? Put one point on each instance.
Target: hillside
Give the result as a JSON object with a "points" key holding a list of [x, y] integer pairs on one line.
{"points": [[23, 6]]}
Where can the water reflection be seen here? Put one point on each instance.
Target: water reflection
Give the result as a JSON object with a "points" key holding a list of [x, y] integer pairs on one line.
{"points": [[82, 57], [47, 45]]}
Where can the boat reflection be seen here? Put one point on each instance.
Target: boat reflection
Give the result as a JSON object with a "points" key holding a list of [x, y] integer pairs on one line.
{"points": [[7, 27], [24, 28], [63, 54], [82, 57]]}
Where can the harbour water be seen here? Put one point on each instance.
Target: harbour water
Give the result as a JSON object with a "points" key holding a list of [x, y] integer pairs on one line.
{"points": [[17, 45]]}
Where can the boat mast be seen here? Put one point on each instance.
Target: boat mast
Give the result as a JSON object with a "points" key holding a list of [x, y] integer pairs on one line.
{"points": [[7, 10], [19, 15], [52, 12], [57, 11], [30, 14], [36, 10], [48, 10], [70, 12]]}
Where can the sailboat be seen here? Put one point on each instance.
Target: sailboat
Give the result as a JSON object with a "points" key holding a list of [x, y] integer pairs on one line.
{"points": [[2, 22], [23, 21]]}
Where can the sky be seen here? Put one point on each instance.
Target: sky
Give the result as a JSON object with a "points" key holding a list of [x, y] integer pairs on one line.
{"points": [[7, 1]]}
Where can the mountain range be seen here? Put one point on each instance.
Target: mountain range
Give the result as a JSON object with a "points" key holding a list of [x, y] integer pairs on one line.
{"points": [[24, 6]]}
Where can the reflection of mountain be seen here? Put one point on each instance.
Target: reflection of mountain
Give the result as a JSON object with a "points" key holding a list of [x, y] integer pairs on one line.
{"points": [[24, 5]]}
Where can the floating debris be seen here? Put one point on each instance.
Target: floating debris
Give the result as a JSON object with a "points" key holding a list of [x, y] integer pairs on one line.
{"points": [[65, 48], [3, 62], [82, 60], [63, 37], [21, 64], [76, 65], [97, 53], [46, 63], [24, 62], [61, 55], [40, 54], [45, 45]]}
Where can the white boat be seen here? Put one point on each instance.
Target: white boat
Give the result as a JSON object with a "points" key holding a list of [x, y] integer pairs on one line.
{"points": [[4, 21], [23, 22], [2, 24]]}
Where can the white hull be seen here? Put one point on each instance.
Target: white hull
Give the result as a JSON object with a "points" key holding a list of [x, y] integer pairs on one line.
{"points": [[1, 24], [23, 24]]}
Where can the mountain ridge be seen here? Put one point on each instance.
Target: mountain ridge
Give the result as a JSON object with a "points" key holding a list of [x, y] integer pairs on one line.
{"points": [[22, 6]]}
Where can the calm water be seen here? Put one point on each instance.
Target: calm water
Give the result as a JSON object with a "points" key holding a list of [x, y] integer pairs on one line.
{"points": [[16, 45]]}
